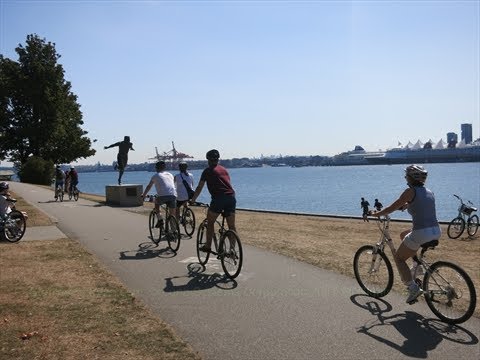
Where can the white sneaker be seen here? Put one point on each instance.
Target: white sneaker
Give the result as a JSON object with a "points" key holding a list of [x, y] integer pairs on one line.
{"points": [[414, 291]]}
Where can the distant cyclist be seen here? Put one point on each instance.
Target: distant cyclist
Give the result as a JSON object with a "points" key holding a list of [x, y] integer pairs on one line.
{"points": [[59, 179], [223, 196], [420, 203], [73, 179], [182, 192]]}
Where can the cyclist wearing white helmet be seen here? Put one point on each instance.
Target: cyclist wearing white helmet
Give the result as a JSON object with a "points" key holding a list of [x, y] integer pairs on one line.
{"points": [[420, 203]]}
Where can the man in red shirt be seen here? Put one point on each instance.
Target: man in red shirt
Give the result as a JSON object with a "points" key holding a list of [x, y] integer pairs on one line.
{"points": [[223, 195]]}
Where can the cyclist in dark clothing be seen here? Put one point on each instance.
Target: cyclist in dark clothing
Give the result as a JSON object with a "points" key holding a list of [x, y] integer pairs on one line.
{"points": [[73, 179], [223, 195]]}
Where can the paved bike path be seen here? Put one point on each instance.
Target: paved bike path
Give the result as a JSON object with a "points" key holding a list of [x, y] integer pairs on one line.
{"points": [[278, 308]]}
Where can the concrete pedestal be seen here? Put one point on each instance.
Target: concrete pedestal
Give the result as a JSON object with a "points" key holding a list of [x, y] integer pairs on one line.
{"points": [[124, 195]]}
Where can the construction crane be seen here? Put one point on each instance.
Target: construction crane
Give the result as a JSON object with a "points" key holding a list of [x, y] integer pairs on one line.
{"points": [[172, 155]]}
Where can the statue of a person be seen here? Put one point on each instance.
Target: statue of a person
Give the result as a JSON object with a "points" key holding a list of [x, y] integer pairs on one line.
{"points": [[122, 157]]}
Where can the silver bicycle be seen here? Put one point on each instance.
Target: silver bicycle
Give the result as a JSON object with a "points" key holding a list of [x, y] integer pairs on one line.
{"points": [[448, 290]]}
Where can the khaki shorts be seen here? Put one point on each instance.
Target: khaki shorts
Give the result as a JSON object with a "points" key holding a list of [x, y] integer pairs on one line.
{"points": [[417, 238]]}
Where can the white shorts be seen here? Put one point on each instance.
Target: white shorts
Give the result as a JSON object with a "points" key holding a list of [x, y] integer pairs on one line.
{"points": [[417, 238]]}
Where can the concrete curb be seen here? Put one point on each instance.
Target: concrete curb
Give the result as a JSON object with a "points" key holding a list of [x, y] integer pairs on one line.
{"points": [[50, 232]]}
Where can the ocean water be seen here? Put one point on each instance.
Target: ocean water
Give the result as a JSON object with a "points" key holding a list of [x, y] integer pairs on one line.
{"points": [[334, 190]]}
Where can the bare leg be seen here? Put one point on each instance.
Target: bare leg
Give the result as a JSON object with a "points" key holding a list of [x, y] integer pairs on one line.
{"points": [[231, 226], [211, 217]]}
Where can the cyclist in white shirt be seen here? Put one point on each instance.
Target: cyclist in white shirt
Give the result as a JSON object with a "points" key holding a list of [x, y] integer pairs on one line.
{"points": [[182, 193], [165, 188]]}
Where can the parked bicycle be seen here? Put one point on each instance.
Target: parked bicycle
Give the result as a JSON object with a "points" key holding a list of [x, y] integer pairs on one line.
{"points": [[59, 193], [465, 216], [187, 220], [448, 290], [14, 224], [73, 193], [227, 245], [167, 226]]}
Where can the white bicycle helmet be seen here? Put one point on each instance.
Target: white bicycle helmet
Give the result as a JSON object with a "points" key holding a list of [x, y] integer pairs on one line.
{"points": [[417, 173], [4, 185]]}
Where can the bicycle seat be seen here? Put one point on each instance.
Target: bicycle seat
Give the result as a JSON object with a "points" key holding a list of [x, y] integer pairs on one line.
{"points": [[12, 200], [430, 245]]}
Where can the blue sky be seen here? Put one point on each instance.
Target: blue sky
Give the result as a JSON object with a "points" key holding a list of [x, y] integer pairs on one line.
{"points": [[260, 77]]}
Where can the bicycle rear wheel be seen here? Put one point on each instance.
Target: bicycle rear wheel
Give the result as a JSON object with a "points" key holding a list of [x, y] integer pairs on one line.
{"points": [[155, 227], [373, 271], [202, 240], [188, 221], [172, 231], [456, 228], [472, 225], [60, 194], [70, 195], [231, 254], [449, 292], [76, 194], [14, 226]]}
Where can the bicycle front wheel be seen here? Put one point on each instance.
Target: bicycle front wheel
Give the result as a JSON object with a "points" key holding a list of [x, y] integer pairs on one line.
{"points": [[373, 271], [472, 225], [60, 194], [154, 227], [449, 292], [231, 254], [188, 221], [201, 241], [455, 228], [14, 226], [70, 195], [76, 194], [172, 232]]}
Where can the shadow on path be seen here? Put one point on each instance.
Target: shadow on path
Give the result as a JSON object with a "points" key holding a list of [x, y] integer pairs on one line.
{"points": [[421, 335], [146, 250], [197, 280]]}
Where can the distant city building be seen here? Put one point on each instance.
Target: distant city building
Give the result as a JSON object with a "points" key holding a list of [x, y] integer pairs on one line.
{"points": [[452, 139], [467, 133]]}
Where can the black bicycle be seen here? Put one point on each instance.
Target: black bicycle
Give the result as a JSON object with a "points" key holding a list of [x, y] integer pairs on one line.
{"points": [[227, 246], [73, 193], [187, 220], [167, 226], [465, 216]]}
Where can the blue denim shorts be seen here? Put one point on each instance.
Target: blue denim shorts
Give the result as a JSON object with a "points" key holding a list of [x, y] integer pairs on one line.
{"points": [[225, 203], [169, 200]]}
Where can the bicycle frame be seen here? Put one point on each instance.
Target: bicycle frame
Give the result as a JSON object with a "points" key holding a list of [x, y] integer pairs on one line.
{"points": [[385, 237]]}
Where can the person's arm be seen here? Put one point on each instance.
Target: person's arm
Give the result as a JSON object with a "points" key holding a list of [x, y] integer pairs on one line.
{"points": [[400, 203], [147, 189], [110, 146], [198, 190]]}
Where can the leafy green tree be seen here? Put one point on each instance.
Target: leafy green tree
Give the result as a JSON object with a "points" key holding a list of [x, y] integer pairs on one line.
{"points": [[36, 171], [39, 114]]}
